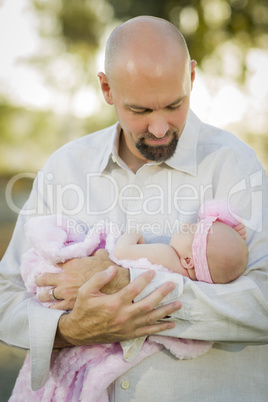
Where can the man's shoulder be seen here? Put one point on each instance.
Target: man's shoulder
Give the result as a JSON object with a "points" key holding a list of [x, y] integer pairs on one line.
{"points": [[225, 147], [97, 139], [85, 151], [212, 137], [94, 144]]}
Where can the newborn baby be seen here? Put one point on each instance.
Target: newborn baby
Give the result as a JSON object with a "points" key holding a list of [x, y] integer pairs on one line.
{"points": [[210, 251]]}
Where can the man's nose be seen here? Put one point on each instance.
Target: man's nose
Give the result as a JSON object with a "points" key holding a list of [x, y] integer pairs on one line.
{"points": [[158, 126]]}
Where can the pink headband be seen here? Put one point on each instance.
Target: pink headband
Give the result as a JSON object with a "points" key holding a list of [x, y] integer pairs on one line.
{"points": [[199, 249]]}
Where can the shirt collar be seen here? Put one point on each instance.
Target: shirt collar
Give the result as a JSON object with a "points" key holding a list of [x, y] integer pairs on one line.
{"points": [[111, 150], [185, 157]]}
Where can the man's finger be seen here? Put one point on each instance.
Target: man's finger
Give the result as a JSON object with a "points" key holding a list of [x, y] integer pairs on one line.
{"points": [[155, 298], [163, 312], [131, 291], [44, 295], [47, 279], [153, 318], [154, 329], [61, 305]]}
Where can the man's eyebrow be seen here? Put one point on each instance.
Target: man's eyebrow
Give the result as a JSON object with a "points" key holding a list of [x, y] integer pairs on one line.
{"points": [[137, 107], [131, 106], [177, 101]]}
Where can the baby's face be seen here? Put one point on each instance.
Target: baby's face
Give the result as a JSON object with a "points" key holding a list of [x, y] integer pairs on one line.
{"points": [[182, 241]]}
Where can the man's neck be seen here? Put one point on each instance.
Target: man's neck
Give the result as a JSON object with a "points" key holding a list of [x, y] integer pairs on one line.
{"points": [[131, 160]]}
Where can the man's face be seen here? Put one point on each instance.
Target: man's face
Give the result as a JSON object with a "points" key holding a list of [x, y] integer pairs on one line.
{"points": [[152, 110]]}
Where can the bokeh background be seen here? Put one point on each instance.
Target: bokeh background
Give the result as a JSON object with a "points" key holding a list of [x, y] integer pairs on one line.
{"points": [[50, 53]]}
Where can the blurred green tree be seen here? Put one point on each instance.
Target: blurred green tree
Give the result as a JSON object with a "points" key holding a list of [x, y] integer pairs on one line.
{"points": [[219, 34], [77, 27], [72, 31], [207, 24], [26, 136]]}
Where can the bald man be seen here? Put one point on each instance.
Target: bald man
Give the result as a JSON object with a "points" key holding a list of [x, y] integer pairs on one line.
{"points": [[149, 83], [151, 170]]}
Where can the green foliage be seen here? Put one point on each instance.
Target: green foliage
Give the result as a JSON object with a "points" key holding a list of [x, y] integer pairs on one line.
{"points": [[28, 137], [78, 24], [72, 31], [206, 24]]}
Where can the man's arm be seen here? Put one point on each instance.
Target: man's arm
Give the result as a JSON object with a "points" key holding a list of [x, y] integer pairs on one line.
{"points": [[40, 329], [101, 301], [101, 318]]}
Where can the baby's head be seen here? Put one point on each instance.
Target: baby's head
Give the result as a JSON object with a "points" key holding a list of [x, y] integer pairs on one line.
{"points": [[227, 253], [211, 251]]}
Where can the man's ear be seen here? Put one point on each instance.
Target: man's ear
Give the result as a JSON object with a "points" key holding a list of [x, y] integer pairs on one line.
{"points": [[106, 89], [193, 65], [187, 262]]}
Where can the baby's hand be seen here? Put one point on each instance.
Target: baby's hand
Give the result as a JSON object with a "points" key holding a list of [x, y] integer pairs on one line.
{"points": [[241, 229]]}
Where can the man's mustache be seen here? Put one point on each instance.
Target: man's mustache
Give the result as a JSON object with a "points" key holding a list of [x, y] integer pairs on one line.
{"points": [[151, 136]]}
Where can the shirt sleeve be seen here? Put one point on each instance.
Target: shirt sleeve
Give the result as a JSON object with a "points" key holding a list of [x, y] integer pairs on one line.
{"points": [[41, 341], [234, 312], [24, 322]]}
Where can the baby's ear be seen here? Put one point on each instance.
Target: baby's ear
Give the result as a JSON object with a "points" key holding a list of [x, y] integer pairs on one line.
{"points": [[187, 262]]}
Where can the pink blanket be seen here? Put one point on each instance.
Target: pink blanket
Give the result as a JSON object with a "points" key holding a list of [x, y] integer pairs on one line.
{"points": [[83, 373]]}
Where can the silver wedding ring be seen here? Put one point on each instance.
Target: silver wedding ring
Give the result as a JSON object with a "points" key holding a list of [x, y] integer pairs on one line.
{"points": [[51, 294]]}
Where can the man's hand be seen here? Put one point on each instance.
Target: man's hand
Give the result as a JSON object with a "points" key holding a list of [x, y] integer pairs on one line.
{"points": [[100, 318], [77, 272]]}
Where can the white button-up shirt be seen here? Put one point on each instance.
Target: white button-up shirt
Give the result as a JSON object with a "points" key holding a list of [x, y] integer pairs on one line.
{"points": [[87, 181]]}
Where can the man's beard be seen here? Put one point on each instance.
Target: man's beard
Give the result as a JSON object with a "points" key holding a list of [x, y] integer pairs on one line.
{"points": [[157, 153]]}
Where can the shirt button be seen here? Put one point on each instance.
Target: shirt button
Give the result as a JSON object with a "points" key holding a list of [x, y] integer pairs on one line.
{"points": [[125, 384]]}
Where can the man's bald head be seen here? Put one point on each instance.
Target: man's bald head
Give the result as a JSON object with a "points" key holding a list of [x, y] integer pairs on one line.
{"points": [[142, 36]]}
